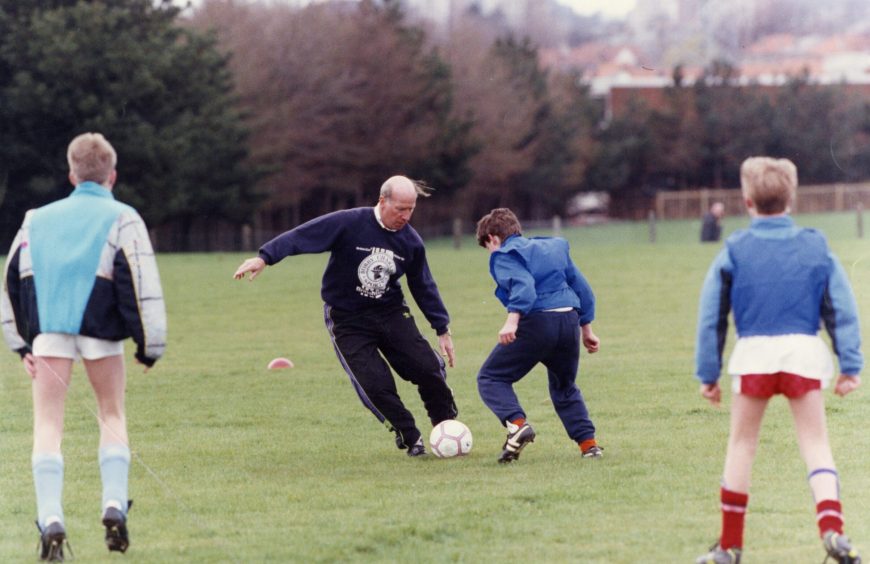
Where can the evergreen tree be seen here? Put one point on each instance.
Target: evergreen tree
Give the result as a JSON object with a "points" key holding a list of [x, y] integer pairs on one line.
{"points": [[161, 94]]}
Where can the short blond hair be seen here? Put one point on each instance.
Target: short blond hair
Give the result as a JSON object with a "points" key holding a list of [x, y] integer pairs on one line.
{"points": [[770, 183], [91, 158]]}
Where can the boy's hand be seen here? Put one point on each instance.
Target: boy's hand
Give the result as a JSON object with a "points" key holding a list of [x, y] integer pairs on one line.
{"points": [[508, 333], [590, 339], [846, 384], [29, 363], [712, 392]]}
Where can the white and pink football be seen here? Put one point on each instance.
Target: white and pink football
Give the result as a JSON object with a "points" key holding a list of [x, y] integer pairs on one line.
{"points": [[450, 438]]}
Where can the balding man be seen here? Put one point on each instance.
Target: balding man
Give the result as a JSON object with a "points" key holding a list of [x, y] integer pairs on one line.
{"points": [[365, 312]]}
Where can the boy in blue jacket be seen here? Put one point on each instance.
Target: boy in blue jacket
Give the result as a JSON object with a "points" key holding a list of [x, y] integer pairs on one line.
{"points": [[550, 308], [781, 282]]}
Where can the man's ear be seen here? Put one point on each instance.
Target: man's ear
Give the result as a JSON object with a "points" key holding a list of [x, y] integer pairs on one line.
{"points": [[72, 179]]}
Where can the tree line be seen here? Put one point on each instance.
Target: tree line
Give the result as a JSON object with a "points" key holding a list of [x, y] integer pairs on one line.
{"points": [[236, 107]]}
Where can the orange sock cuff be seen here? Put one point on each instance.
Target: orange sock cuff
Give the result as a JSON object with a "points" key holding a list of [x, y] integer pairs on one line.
{"points": [[587, 444], [519, 421]]}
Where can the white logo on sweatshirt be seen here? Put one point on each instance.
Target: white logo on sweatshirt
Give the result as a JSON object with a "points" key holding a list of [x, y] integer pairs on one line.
{"points": [[374, 273]]}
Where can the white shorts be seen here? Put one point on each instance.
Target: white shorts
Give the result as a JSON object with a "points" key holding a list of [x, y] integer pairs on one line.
{"points": [[64, 345]]}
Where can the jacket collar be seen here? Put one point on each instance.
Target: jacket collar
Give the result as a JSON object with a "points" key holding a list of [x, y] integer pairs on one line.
{"points": [[89, 188]]}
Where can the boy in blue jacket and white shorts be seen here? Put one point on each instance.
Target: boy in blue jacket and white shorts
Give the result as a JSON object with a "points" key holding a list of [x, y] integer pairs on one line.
{"points": [[781, 282], [550, 308]]}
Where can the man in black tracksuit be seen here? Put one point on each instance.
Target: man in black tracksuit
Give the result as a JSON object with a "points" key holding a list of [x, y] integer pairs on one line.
{"points": [[364, 307]]}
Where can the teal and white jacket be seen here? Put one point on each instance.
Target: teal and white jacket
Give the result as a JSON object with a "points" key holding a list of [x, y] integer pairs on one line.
{"points": [[84, 265]]}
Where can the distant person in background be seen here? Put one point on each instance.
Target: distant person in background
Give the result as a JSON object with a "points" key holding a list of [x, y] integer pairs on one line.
{"points": [[365, 312], [781, 282], [550, 311], [79, 279], [711, 225]]}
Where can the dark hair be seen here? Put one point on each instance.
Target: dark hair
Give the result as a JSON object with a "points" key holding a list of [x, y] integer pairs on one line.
{"points": [[500, 222]]}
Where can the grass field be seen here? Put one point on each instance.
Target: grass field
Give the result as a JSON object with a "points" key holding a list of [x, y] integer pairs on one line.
{"points": [[234, 463]]}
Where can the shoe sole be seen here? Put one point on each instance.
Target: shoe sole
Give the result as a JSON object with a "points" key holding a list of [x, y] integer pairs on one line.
{"points": [[55, 548], [116, 535], [52, 545]]}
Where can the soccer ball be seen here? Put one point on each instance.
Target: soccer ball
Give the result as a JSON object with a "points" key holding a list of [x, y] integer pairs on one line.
{"points": [[450, 438]]}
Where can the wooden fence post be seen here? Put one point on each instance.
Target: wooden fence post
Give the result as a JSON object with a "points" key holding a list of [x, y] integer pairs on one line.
{"points": [[557, 226], [457, 233], [247, 237]]}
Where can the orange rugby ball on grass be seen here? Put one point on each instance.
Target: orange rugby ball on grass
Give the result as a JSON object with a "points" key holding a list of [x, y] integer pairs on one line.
{"points": [[280, 362]]}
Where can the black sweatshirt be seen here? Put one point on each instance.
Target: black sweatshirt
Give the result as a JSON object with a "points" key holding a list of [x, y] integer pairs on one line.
{"points": [[365, 263]]}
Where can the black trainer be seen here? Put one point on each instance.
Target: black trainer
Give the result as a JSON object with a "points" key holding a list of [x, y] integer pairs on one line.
{"points": [[517, 439], [51, 540], [417, 449], [115, 522], [840, 549]]}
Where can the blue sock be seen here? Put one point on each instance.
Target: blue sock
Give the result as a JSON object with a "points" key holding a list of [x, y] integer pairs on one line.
{"points": [[114, 470], [48, 482]]}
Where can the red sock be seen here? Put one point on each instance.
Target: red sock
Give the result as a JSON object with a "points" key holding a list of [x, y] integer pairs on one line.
{"points": [[519, 421], [829, 514], [587, 444], [733, 513]]}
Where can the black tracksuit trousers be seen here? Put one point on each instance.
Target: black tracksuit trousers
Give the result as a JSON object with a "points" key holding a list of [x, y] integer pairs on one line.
{"points": [[366, 341]]}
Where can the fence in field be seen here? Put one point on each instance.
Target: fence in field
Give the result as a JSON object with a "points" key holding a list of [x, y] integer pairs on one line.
{"points": [[213, 234], [692, 204]]}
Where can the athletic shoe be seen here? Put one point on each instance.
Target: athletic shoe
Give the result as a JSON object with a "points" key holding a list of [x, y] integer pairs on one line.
{"points": [[840, 549], [719, 555], [115, 522], [517, 439], [593, 452], [417, 449], [51, 540]]}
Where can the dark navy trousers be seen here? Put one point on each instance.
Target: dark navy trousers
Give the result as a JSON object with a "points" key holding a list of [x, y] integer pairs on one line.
{"points": [[366, 341], [553, 339]]}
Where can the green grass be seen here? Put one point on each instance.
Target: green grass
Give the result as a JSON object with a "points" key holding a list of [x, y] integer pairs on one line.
{"points": [[234, 463]]}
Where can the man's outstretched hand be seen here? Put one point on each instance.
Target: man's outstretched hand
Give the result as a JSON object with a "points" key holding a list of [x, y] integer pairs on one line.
{"points": [[253, 265]]}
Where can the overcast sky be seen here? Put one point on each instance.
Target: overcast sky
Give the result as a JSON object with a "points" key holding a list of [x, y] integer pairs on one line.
{"points": [[607, 8]]}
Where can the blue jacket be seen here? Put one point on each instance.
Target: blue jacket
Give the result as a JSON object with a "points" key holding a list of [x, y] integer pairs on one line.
{"points": [[535, 274], [778, 279], [84, 265], [365, 264]]}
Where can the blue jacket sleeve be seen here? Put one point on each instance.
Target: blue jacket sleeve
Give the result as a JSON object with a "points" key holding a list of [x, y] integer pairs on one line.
{"points": [[516, 285], [713, 312], [425, 292], [315, 236], [583, 290], [840, 317]]}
